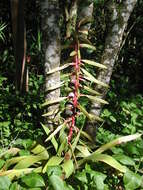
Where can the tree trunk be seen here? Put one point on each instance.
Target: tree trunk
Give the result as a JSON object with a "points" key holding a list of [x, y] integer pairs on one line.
{"points": [[119, 20], [19, 40], [51, 46]]}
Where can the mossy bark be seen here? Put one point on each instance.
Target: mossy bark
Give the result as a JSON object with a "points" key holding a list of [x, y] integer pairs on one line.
{"points": [[51, 46]]}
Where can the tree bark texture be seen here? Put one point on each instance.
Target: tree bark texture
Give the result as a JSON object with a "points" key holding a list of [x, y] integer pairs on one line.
{"points": [[120, 14], [19, 40], [51, 45]]}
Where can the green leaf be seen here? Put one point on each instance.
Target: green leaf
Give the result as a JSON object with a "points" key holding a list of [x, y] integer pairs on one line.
{"points": [[17, 173], [62, 147], [96, 99], [4, 183], [117, 141], [68, 167], [2, 162], [55, 132], [59, 68], [47, 103], [11, 151], [33, 180], [40, 150], [126, 160], [131, 180], [104, 158], [53, 161], [84, 150], [81, 176], [15, 186], [93, 63], [91, 78], [53, 140], [91, 90], [88, 46], [56, 170], [56, 182], [99, 180], [29, 161], [113, 118], [91, 117], [58, 85], [73, 53]]}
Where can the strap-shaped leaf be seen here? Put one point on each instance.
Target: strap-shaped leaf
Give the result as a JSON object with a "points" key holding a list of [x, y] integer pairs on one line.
{"points": [[91, 90], [106, 159], [47, 103], [117, 142], [73, 53], [55, 86], [96, 99], [55, 132], [88, 46], [53, 140], [59, 68], [84, 150], [91, 78], [11, 151], [91, 117], [29, 161], [18, 172], [93, 63]]}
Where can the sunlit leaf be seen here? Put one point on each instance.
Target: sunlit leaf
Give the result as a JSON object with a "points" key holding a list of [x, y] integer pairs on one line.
{"points": [[53, 140], [117, 142], [106, 159], [84, 150], [88, 46], [54, 101], [59, 68], [53, 161], [18, 172], [55, 131], [11, 151], [91, 78], [73, 53], [91, 90], [93, 63], [58, 85], [68, 167], [56, 182], [96, 99], [29, 161]]}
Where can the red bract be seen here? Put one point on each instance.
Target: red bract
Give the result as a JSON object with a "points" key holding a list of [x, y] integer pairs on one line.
{"points": [[75, 78]]}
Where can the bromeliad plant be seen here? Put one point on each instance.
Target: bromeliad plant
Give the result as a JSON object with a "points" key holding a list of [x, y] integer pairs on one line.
{"points": [[80, 82], [71, 143]]}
